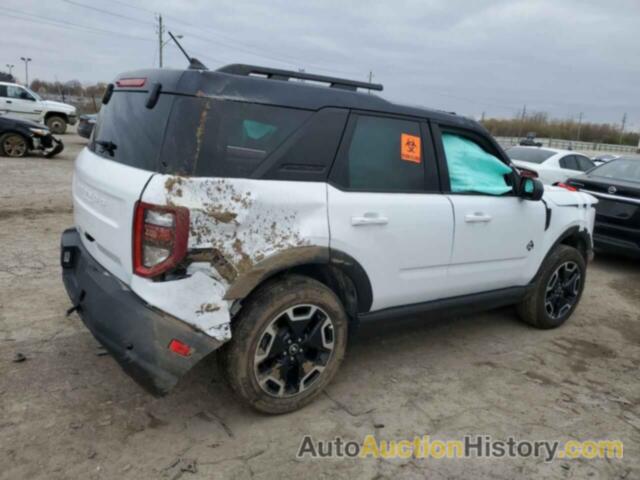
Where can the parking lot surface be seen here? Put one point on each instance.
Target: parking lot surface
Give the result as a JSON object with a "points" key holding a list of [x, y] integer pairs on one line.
{"points": [[68, 411]]}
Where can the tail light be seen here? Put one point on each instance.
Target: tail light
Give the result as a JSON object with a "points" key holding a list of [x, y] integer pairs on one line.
{"points": [[160, 237], [568, 187], [131, 82], [525, 172]]}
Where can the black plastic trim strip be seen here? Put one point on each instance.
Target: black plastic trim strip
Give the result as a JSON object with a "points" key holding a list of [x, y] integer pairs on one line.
{"points": [[454, 305]]}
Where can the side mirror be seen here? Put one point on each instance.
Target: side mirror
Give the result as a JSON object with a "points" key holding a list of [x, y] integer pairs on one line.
{"points": [[531, 189]]}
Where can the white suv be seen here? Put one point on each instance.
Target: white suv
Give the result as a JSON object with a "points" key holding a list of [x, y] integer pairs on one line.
{"points": [[248, 210], [22, 102]]}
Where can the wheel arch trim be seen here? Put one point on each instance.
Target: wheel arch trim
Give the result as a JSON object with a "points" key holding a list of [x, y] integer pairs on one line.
{"points": [[248, 281], [582, 234]]}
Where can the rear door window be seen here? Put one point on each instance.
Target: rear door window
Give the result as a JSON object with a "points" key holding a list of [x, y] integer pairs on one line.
{"points": [[584, 164], [569, 162], [382, 154]]}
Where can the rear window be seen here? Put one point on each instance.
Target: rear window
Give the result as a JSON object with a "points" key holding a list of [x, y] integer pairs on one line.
{"points": [[192, 135], [127, 132], [530, 154], [627, 169]]}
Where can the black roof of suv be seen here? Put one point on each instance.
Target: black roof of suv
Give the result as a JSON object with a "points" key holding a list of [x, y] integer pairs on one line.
{"points": [[271, 86], [241, 121]]}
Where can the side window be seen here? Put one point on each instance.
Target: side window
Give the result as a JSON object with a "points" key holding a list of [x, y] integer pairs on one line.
{"points": [[569, 162], [382, 154], [17, 93], [223, 138], [584, 164], [472, 169], [3, 90]]}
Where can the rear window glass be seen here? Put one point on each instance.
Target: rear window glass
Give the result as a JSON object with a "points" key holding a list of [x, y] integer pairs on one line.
{"points": [[529, 154], [191, 135], [127, 132], [627, 169], [213, 138]]}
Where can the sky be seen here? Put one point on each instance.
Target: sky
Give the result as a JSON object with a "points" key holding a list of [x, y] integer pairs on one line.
{"points": [[563, 57]]}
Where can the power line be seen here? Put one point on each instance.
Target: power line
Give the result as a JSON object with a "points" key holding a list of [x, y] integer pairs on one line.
{"points": [[225, 41], [107, 12], [135, 7], [67, 25]]}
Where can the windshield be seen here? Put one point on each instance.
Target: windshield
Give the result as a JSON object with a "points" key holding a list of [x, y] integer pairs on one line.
{"points": [[627, 169], [530, 154]]}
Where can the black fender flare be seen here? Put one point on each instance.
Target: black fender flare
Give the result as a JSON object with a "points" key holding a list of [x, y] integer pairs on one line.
{"points": [[577, 231], [285, 260]]}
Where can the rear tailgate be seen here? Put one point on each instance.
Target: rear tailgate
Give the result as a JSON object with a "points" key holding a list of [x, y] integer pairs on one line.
{"points": [[112, 172], [104, 196]]}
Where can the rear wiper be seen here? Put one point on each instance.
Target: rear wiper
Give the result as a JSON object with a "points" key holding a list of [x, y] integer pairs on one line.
{"points": [[107, 145]]}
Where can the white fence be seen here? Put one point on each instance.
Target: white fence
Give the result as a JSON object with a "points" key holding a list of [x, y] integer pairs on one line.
{"points": [[572, 145]]}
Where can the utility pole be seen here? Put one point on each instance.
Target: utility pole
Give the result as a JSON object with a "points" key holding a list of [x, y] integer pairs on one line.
{"points": [[10, 67], [624, 123], [26, 69], [370, 80], [524, 115], [580, 124], [482, 117], [160, 39]]}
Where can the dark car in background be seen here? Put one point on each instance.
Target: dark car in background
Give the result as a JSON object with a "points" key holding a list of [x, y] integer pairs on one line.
{"points": [[530, 140], [604, 158], [18, 137], [616, 184], [86, 124]]}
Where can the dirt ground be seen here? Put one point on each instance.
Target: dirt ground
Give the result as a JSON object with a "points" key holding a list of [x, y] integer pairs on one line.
{"points": [[68, 411]]}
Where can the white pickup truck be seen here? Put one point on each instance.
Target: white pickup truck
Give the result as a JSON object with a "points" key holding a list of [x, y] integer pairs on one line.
{"points": [[19, 101]]}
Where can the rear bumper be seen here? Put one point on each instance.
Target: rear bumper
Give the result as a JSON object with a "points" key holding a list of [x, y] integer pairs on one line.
{"points": [[135, 334]]}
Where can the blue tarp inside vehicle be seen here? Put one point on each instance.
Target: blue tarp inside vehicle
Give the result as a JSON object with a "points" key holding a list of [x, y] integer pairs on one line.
{"points": [[471, 169]]}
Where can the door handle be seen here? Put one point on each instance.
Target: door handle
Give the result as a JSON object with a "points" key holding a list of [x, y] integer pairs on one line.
{"points": [[9, 101], [477, 218], [369, 218]]}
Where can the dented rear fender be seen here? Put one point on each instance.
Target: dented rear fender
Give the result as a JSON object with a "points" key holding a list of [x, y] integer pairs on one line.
{"points": [[240, 231]]}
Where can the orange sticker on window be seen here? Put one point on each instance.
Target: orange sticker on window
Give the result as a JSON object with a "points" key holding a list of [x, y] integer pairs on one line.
{"points": [[410, 148]]}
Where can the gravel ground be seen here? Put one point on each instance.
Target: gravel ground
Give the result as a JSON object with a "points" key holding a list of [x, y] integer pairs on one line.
{"points": [[68, 411]]}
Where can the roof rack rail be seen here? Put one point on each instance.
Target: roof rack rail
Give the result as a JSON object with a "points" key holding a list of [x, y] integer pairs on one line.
{"points": [[286, 75]]}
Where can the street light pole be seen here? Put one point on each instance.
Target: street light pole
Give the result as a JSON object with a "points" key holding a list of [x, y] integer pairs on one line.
{"points": [[10, 67], [26, 69], [160, 40]]}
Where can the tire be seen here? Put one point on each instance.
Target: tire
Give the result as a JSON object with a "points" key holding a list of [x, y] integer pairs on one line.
{"points": [[56, 124], [257, 362], [14, 145], [555, 297]]}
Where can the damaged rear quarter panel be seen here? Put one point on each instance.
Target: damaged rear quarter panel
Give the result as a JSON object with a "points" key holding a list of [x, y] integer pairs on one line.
{"points": [[236, 225]]}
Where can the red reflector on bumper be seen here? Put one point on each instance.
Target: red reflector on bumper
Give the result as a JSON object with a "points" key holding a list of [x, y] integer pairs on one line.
{"points": [[176, 346]]}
